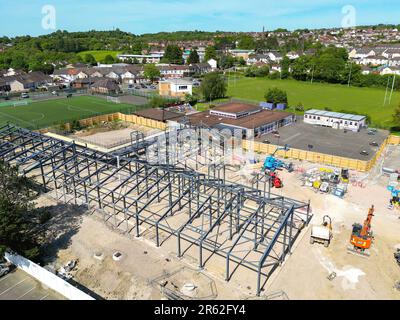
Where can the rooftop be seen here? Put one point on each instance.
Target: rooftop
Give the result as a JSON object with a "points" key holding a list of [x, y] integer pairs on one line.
{"points": [[249, 122], [236, 108], [178, 81]]}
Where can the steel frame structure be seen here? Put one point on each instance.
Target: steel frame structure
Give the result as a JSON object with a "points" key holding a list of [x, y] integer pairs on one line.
{"points": [[245, 226]]}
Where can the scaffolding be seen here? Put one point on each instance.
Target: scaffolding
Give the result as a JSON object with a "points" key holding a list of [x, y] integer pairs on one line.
{"points": [[204, 214]]}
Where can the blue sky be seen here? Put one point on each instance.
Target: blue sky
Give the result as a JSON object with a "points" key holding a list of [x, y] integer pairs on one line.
{"points": [[20, 17]]}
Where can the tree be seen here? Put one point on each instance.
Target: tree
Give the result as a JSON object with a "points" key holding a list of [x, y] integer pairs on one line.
{"points": [[89, 59], [210, 53], [276, 95], [108, 59], [255, 71], [213, 86], [193, 57], [302, 68], [18, 226], [246, 42], [191, 99], [285, 65], [226, 62], [242, 62], [151, 72], [173, 55]]}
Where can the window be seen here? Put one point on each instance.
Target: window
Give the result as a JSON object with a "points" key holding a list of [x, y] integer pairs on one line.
{"points": [[318, 118], [182, 87]]}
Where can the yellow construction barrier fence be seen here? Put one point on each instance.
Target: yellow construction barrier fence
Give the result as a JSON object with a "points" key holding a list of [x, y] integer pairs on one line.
{"points": [[322, 158]]}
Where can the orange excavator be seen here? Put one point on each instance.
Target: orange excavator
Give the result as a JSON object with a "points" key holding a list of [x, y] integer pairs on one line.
{"points": [[361, 236]]}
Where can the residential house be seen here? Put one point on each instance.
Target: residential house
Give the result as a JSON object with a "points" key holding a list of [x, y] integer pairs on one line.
{"points": [[11, 72], [105, 86], [239, 53], [255, 58], [173, 71], [374, 60], [213, 63], [275, 56], [26, 82], [83, 83], [199, 68], [360, 53], [390, 70], [65, 76], [394, 62], [4, 86], [141, 58], [292, 55]]}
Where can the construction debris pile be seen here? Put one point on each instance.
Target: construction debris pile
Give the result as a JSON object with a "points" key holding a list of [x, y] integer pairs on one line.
{"points": [[329, 181]]}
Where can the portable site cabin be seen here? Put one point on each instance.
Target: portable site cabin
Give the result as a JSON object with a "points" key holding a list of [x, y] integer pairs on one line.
{"points": [[335, 120]]}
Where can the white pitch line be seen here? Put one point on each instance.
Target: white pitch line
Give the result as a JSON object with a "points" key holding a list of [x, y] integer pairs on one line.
{"points": [[26, 293], [13, 286], [15, 118]]}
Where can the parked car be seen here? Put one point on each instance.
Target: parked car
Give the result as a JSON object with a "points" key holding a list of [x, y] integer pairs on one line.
{"points": [[24, 95]]}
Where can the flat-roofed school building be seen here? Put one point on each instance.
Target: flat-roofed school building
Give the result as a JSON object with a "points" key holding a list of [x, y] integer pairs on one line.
{"points": [[335, 120], [242, 116]]}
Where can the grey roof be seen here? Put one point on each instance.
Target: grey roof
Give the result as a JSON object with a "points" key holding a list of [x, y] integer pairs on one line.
{"points": [[337, 115]]}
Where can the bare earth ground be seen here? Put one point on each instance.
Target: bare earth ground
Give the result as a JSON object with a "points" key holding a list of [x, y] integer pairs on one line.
{"points": [[302, 276], [106, 137]]}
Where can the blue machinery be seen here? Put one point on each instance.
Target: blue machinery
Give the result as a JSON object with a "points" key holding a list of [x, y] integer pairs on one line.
{"points": [[272, 164], [250, 228]]}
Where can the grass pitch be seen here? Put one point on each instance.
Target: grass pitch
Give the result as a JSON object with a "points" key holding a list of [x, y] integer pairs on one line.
{"points": [[46, 113], [99, 55], [367, 101]]}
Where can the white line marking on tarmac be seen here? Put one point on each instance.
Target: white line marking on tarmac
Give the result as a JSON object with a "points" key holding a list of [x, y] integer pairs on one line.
{"points": [[13, 286], [26, 292], [5, 277], [44, 297]]}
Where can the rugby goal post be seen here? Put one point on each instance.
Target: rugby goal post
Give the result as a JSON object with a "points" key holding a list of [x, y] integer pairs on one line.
{"points": [[113, 99]]}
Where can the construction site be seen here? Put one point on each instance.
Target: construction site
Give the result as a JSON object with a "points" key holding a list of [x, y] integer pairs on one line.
{"points": [[181, 217]]}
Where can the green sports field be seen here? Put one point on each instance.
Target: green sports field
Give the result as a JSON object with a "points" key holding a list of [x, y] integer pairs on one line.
{"points": [[50, 112], [100, 54], [368, 101]]}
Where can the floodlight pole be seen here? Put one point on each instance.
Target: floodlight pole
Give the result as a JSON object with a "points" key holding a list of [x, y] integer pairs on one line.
{"points": [[351, 67], [387, 86], [312, 74], [391, 92]]}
